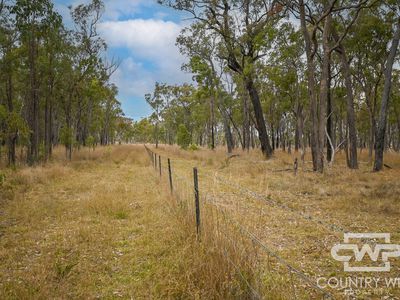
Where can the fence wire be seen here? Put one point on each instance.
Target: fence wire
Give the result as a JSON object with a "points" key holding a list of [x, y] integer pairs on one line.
{"points": [[270, 201], [183, 190]]}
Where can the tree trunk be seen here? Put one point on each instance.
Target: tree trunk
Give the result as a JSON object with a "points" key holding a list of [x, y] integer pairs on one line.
{"points": [[300, 127], [156, 134], [351, 119], [329, 122], [68, 145], [273, 135], [212, 121], [51, 130], [324, 92], [228, 136], [48, 112], [227, 129], [237, 130], [380, 134], [259, 118], [252, 141], [246, 123], [12, 136], [33, 149], [315, 152], [372, 129], [296, 136]]}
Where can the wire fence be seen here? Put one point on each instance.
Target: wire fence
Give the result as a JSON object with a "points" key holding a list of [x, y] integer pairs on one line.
{"points": [[271, 201], [186, 189]]}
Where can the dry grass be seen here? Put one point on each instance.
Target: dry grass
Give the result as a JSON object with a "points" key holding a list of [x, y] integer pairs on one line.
{"points": [[102, 226], [105, 226], [354, 200]]}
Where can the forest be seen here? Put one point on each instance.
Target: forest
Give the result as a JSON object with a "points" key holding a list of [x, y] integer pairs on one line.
{"points": [[319, 76], [55, 82]]}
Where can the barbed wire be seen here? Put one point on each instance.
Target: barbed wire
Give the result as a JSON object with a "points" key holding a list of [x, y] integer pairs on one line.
{"points": [[245, 232], [250, 193]]}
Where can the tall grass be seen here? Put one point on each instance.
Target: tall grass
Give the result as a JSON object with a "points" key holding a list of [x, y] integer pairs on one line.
{"points": [[232, 265], [105, 225], [76, 229]]}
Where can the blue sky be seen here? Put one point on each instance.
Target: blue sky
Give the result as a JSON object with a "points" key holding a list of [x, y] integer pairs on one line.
{"points": [[141, 34]]}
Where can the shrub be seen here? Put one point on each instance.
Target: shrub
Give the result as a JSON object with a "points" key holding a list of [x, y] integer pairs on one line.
{"points": [[66, 136], [193, 147], [183, 137], [90, 142]]}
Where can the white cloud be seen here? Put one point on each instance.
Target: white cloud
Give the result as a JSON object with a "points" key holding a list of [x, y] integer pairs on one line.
{"points": [[114, 9], [146, 48], [132, 78], [154, 56], [148, 38]]}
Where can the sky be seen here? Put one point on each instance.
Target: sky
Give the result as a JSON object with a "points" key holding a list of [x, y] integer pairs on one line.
{"points": [[141, 35]]}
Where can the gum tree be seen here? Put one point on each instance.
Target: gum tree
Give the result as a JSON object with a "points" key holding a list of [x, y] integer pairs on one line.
{"points": [[246, 30]]}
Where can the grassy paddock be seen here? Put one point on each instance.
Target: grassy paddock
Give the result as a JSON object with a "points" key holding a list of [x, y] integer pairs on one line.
{"points": [[347, 200], [104, 226]]}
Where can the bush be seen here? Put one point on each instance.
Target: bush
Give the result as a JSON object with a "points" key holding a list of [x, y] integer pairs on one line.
{"points": [[193, 147], [183, 137], [90, 141], [66, 136]]}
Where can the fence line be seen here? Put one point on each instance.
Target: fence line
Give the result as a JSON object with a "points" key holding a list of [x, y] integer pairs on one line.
{"points": [[269, 251], [268, 200], [241, 229]]}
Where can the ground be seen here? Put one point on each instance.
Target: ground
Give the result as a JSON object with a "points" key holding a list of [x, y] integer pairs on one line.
{"points": [[106, 226], [98, 227], [300, 217]]}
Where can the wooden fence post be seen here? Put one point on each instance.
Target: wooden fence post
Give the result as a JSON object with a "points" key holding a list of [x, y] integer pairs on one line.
{"points": [[155, 161], [159, 163], [170, 175], [196, 198]]}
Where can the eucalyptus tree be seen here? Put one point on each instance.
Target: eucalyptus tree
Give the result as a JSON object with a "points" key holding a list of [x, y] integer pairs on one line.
{"points": [[54, 82], [109, 114], [86, 49], [383, 115], [333, 19], [32, 20], [367, 45], [10, 118], [246, 30], [287, 75], [50, 51], [156, 102], [202, 47]]}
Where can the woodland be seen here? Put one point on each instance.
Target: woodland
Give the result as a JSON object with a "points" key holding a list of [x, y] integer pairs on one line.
{"points": [[318, 76], [55, 82]]}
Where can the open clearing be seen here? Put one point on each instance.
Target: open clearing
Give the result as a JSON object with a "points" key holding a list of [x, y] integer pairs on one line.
{"points": [[104, 225], [95, 228]]}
